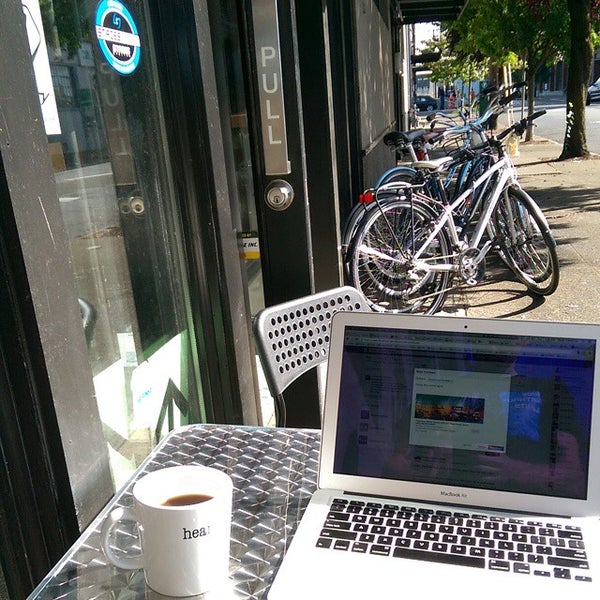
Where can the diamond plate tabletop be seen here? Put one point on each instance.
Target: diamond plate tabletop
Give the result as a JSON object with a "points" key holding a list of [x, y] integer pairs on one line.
{"points": [[274, 473]]}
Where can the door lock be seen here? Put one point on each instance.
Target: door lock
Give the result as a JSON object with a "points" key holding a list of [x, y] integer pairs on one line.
{"points": [[279, 194]]}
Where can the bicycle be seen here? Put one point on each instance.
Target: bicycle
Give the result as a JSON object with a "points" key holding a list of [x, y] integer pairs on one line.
{"points": [[419, 142], [411, 142], [405, 254]]}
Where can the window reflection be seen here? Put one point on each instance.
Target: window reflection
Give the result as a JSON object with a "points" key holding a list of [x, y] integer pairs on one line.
{"points": [[228, 64], [106, 143]]}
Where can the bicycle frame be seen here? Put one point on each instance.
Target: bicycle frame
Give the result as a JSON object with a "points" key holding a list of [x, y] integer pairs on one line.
{"points": [[505, 169]]}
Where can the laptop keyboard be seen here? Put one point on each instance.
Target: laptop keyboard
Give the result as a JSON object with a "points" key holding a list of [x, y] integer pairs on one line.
{"points": [[543, 549]]}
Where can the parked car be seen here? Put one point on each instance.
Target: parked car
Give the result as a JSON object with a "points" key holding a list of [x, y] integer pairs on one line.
{"points": [[593, 92], [427, 103]]}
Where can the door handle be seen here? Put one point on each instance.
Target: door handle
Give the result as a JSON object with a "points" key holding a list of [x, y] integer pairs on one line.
{"points": [[279, 194]]}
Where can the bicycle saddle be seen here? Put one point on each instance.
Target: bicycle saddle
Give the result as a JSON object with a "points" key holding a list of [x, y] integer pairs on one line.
{"points": [[437, 164], [397, 138]]}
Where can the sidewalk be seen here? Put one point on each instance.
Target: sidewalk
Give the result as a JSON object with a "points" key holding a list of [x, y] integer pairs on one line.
{"points": [[569, 194]]}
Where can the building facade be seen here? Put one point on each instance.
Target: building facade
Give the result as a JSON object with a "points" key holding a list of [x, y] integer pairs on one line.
{"points": [[166, 169]]}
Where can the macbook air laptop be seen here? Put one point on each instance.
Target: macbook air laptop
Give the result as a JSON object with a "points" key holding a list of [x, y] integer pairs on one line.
{"points": [[459, 458]]}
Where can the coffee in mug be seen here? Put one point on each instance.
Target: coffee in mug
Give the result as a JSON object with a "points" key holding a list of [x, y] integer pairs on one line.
{"points": [[184, 518], [186, 499]]}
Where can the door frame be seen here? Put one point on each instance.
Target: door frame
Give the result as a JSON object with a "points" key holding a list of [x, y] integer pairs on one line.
{"points": [[298, 245], [218, 291]]}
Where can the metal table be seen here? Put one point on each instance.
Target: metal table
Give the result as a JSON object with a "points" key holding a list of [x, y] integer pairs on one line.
{"points": [[274, 473]]}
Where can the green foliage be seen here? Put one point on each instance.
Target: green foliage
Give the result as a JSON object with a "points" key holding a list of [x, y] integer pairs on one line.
{"points": [[535, 32], [595, 14], [452, 65], [63, 23]]}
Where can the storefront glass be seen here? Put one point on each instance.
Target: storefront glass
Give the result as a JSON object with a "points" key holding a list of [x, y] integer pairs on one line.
{"points": [[101, 106]]}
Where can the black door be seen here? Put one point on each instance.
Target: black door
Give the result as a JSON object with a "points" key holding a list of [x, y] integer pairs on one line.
{"points": [[286, 50]]}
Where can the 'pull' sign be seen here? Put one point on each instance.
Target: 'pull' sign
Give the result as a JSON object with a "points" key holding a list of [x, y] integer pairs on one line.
{"points": [[270, 89]]}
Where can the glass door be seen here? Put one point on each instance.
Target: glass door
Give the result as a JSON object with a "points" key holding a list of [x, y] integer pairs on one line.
{"points": [[229, 68], [101, 104]]}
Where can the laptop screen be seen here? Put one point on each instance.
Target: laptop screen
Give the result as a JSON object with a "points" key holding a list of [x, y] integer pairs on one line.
{"points": [[474, 410]]}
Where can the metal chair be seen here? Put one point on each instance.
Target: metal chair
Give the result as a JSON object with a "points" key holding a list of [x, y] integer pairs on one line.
{"points": [[293, 337]]}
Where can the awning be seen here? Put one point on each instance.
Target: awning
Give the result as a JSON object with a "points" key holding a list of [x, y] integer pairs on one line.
{"points": [[427, 11]]}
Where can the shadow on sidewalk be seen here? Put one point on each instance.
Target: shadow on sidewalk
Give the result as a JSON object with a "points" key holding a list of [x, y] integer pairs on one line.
{"points": [[560, 198]]}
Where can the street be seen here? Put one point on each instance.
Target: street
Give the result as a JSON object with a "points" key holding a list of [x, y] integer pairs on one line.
{"points": [[88, 202], [552, 125]]}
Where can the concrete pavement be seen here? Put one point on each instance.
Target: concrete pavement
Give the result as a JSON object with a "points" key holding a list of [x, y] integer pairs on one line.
{"points": [[569, 194]]}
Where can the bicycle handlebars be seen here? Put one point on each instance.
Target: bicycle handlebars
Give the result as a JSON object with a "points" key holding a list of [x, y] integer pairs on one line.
{"points": [[508, 99], [520, 126], [397, 139]]}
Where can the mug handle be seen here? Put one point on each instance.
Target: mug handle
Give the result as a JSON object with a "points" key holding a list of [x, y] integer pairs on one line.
{"points": [[123, 562]]}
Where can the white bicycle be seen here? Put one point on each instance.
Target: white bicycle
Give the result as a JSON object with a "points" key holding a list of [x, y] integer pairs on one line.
{"points": [[408, 253]]}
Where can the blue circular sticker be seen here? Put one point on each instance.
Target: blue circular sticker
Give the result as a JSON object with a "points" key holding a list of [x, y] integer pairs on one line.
{"points": [[118, 36]]}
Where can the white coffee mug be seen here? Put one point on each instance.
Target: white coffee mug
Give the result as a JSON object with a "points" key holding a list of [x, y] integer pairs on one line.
{"points": [[184, 518]]}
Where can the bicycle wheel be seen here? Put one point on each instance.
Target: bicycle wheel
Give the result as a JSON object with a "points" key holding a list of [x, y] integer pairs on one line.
{"points": [[383, 264], [526, 242], [396, 174], [400, 173], [349, 226]]}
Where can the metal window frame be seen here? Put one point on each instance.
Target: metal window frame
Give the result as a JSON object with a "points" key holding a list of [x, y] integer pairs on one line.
{"points": [[218, 293], [36, 503], [41, 241]]}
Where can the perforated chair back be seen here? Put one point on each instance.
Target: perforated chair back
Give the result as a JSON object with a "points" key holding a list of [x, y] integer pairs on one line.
{"points": [[293, 337]]}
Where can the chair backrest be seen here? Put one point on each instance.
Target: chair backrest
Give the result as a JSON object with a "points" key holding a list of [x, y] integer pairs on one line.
{"points": [[293, 337]]}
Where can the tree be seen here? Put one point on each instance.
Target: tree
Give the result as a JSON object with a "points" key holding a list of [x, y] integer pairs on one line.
{"points": [[582, 13], [533, 32], [455, 65], [63, 23]]}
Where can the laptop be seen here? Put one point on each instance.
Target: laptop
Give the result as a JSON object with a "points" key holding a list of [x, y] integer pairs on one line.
{"points": [[459, 458]]}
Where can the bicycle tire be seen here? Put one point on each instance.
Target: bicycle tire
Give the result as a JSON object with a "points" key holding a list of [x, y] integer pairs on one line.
{"points": [[526, 242], [382, 266], [400, 173]]}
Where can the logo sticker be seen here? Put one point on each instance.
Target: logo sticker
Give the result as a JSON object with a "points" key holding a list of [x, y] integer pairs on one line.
{"points": [[118, 36]]}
